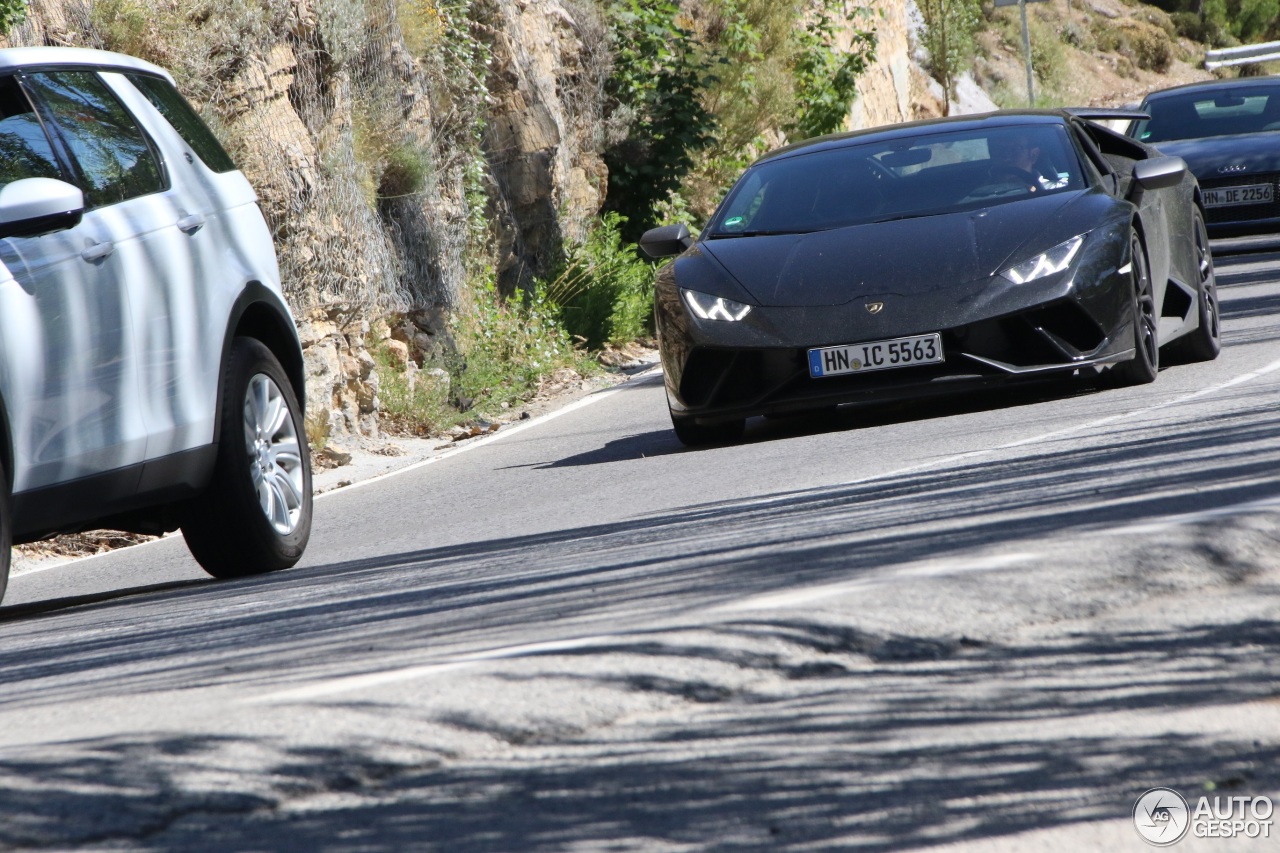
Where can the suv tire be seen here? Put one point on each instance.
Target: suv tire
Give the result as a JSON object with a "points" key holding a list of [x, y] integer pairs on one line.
{"points": [[255, 516], [6, 532]]}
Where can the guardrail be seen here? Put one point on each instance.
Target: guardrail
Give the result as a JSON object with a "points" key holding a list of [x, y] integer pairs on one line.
{"points": [[1264, 52]]}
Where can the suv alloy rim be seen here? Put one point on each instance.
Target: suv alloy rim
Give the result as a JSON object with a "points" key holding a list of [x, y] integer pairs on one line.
{"points": [[275, 464]]}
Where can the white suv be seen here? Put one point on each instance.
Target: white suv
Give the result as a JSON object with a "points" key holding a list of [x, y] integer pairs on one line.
{"points": [[150, 371]]}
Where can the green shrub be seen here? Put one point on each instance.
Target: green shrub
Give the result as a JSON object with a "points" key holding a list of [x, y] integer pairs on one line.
{"points": [[1048, 55], [657, 82], [421, 25], [950, 28], [1224, 23], [603, 290], [1107, 36], [1145, 44], [1210, 33], [1078, 36], [11, 12], [415, 402], [1254, 20], [506, 347], [1148, 45], [405, 172], [825, 77], [126, 26]]}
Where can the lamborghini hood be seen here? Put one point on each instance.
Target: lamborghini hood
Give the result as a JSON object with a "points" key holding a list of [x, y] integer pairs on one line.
{"points": [[908, 256]]}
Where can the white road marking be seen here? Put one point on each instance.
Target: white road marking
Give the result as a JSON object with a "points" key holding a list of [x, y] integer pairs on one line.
{"points": [[910, 571], [392, 676], [1242, 379], [497, 436], [947, 461], [806, 595], [791, 598], [451, 452]]}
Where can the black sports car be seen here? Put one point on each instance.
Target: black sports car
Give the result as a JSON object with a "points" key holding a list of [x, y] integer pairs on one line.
{"points": [[1228, 132], [932, 257]]}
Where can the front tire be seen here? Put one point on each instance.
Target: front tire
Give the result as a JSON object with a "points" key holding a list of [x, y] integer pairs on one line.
{"points": [[1145, 364], [6, 532], [1205, 342], [255, 515]]}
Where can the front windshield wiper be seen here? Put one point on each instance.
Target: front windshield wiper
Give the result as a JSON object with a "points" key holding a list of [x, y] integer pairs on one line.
{"points": [[775, 233], [898, 217]]}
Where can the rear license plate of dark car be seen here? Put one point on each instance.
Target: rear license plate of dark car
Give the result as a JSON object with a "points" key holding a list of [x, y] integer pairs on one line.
{"points": [[1228, 196], [875, 355]]}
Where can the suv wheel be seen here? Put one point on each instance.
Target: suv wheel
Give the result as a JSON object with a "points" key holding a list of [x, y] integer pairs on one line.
{"points": [[6, 533], [255, 515]]}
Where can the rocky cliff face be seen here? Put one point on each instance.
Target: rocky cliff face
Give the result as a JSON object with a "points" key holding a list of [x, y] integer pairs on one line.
{"points": [[540, 134], [321, 114], [390, 143], [891, 84]]}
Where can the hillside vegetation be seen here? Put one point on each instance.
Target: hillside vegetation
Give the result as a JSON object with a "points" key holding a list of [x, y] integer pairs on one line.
{"points": [[454, 185]]}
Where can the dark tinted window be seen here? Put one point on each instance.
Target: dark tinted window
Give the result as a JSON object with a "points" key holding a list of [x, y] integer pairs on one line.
{"points": [[927, 174], [25, 151], [1219, 112], [115, 158], [185, 120]]}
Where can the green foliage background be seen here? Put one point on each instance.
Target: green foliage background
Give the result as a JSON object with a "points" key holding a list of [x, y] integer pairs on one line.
{"points": [[691, 91], [11, 12]]}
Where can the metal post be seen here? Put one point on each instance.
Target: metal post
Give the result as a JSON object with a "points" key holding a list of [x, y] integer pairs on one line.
{"points": [[1026, 47]]}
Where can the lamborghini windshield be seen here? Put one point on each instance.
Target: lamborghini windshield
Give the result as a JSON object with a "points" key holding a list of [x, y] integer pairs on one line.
{"points": [[925, 175]]}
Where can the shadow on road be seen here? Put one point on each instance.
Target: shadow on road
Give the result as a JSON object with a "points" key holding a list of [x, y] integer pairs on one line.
{"points": [[663, 442], [946, 746], [953, 738]]}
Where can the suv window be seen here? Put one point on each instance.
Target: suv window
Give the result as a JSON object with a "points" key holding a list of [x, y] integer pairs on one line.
{"points": [[170, 103], [25, 151], [114, 156]]}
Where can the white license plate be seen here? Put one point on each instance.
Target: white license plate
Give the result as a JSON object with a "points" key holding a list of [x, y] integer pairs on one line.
{"points": [[875, 355], [1228, 196]]}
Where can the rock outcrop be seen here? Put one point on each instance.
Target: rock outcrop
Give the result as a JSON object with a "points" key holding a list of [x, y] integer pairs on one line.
{"points": [[355, 138], [538, 139]]}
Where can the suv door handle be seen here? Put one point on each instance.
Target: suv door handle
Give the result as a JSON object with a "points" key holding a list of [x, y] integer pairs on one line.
{"points": [[191, 224], [98, 251]]}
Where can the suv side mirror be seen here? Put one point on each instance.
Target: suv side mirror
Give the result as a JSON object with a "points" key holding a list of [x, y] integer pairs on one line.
{"points": [[666, 241], [33, 206]]}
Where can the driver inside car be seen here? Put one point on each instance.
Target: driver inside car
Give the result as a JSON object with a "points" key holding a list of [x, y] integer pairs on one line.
{"points": [[1014, 158]]}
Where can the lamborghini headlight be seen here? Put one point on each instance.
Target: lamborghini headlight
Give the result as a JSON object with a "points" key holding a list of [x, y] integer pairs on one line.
{"points": [[714, 307], [1053, 261]]}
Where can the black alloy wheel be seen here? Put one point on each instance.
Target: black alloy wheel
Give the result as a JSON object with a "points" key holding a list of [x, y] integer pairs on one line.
{"points": [[1205, 342], [1145, 364]]}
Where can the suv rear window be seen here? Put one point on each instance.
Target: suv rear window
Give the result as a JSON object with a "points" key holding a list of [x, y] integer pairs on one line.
{"points": [[170, 103]]}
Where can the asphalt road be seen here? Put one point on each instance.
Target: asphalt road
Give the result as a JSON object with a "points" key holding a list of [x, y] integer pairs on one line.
{"points": [[984, 624]]}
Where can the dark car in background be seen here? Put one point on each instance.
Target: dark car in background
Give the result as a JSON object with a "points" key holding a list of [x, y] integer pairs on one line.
{"points": [[928, 258], [1228, 132]]}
